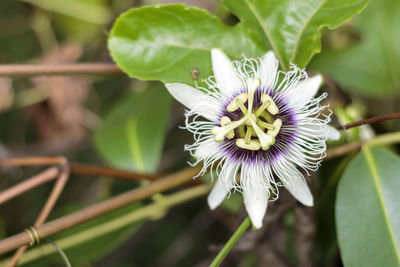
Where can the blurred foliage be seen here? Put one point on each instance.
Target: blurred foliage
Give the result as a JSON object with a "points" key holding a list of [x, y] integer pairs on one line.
{"points": [[132, 134], [364, 55]]}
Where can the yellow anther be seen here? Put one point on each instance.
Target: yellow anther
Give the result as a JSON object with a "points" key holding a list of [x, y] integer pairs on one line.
{"points": [[253, 145], [265, 125], [242, 98], [277, 127], [225, 121], [272, 108], [252, 85]]}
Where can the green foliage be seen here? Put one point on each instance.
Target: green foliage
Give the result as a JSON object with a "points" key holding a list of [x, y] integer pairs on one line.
{"points": [[367, 205], [370, 67], [165, 42], [72, 16], [291, 27], [133, 133]]}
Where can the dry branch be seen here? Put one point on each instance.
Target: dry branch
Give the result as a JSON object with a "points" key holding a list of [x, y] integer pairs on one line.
{"points": [[101, 208]]}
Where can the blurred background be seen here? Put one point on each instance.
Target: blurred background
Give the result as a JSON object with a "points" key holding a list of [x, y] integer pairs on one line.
{"points": [[85, 118]]}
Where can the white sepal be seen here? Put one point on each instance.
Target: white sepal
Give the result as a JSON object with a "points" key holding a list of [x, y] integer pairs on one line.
{"points": [[195, 100], [225, 182]]}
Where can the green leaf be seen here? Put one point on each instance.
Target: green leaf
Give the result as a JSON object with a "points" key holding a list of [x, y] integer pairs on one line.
{"points": [[132, 134], [371, 66], [367, 210], [165, 42], [292, 27]]}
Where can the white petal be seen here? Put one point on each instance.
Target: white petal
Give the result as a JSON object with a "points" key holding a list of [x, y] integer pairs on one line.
{"points": [[294, 181], [195, 100], [332, 133], [206, 149], [256, 200], [268, 69], [223, 185], [225, 73], [306, 90]]}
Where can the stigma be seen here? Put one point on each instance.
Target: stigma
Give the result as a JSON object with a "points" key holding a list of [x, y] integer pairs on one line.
{"points": [[257, 128]]}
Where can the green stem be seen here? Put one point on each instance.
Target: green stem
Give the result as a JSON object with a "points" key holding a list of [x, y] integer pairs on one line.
{"points": [[231, 242]]}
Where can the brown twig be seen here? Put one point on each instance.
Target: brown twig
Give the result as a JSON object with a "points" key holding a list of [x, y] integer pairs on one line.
{"points": [[32, 161], [58, 69], [79, 168], [369, 121], [41, 178], [101, 208], [48, 207], [94, 170]]}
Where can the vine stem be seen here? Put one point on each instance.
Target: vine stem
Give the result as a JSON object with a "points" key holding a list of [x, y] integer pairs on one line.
{"points": [[369, 121], [58, 69], [231, 242], [78, 168], [151, 211], [380, 140], [101, 208], [48, 207]]}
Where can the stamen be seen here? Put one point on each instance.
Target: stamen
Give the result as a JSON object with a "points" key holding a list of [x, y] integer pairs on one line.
{"points": [[262, 108], [251, 125], [248, 135], [252, 85], [225, 121], [241, 106], [253, 145], [242, 98], [277, 126], [268, 117], [265, 125], [265, 140], [272, 108]]}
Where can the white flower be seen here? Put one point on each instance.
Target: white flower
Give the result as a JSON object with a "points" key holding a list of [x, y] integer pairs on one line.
{"points": [[260, 124]]}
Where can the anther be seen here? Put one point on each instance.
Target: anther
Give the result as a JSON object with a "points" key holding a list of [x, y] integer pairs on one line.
{"points": [[253, 145], [242, 98], [277, 126], [225, 121], [272, 108]]}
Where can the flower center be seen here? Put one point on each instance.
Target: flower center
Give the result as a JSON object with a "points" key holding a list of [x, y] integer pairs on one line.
{"points": [[257, 128]]}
